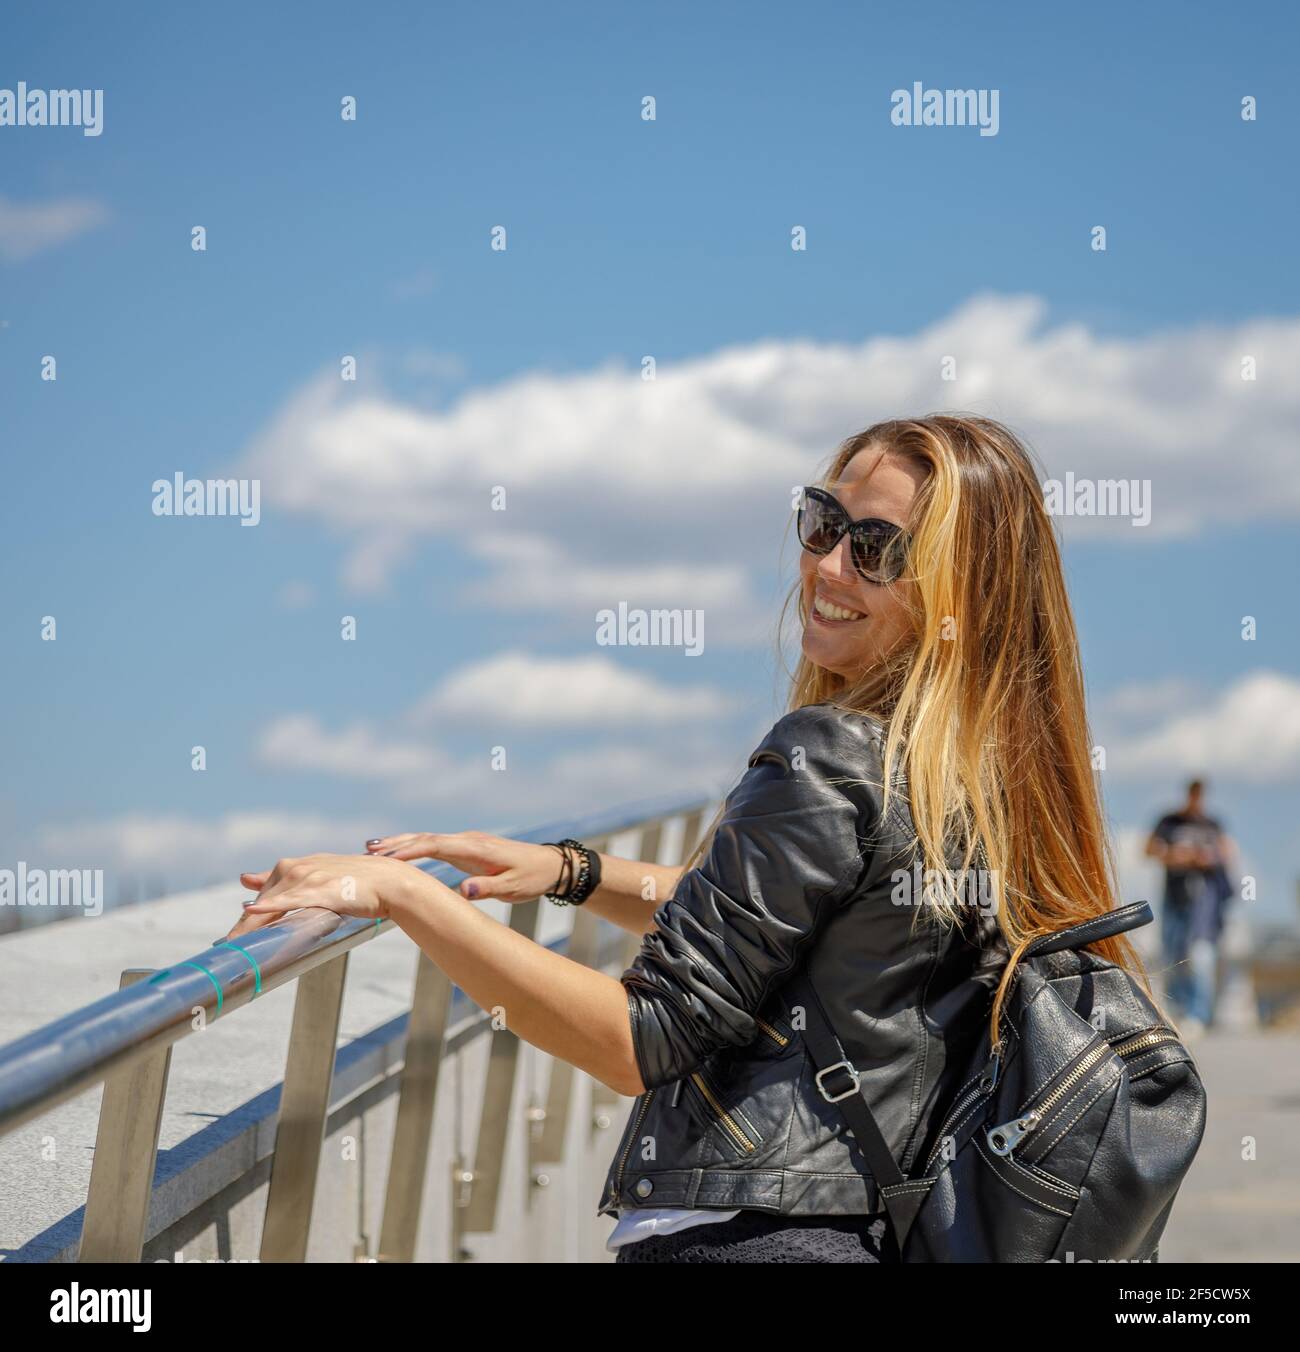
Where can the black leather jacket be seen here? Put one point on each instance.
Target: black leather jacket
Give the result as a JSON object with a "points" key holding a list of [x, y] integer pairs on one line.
{"points": [[802, 870]]}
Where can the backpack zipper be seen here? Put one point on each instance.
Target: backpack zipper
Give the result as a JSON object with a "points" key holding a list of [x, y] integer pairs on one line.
{"points": [[1153, 1037], [1004, 1139], [775, 1034], [986, 1084]]}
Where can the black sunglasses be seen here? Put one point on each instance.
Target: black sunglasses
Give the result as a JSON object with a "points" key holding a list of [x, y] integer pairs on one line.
{"points": [[878, 548]]}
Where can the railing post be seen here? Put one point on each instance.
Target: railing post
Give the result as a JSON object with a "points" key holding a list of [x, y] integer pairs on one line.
{"points": [[547, 1145], [426, 1031], [483, 1185], [652, 835], [692, 829], [304, 1107], [126, 1151]]}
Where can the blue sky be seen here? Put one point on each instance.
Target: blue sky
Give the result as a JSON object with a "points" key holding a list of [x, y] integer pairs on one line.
{"points": [[479, 368]]}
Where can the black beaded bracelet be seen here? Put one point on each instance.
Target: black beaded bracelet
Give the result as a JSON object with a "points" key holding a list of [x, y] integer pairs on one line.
{"points": [[588, 873], [588, 876], [566, 871]]}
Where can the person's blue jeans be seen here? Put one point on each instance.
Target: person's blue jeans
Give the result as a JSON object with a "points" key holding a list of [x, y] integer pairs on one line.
{"points": [[1190, 955]]}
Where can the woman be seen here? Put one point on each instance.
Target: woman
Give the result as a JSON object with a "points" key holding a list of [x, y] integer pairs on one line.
{"points": [[925, 810]]}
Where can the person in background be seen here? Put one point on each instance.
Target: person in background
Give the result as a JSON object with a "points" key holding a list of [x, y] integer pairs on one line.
{"points": [[1195, 852]]}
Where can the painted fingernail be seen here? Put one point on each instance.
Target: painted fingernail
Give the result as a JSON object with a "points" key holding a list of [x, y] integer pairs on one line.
{"points": [[252, 901], [471, 890], [376, 840]]}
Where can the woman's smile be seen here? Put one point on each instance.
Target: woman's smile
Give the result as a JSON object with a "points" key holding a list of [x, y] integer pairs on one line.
{"points": [[827, 611]]}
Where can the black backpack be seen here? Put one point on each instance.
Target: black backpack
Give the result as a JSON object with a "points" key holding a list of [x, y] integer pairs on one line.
{"points": [[1068, 1147]]}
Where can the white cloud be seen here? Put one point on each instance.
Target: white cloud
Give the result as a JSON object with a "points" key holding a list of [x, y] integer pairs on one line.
{"points": [[681, 485], [29, 228], [183, 850], [299, 742], [178, 851], [522, 689], [529, 792], [1249, 732], [673, 739], [531, 570], [1147, 699], [197, 848]]}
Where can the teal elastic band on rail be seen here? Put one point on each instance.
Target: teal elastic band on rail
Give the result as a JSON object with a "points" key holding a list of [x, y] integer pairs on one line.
{"points": [[216, 984], [257, 971]]}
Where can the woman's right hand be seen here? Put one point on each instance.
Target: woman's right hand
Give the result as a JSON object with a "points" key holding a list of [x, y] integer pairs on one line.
{"points": [[508, 870]]}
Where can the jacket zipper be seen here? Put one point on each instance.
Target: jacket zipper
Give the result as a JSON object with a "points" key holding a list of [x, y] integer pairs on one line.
{"points": [[631, 1137], [733, 1128], [768, 1029]]}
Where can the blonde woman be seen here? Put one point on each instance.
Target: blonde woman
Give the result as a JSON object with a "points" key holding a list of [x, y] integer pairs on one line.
{"points": [[937, 735]]}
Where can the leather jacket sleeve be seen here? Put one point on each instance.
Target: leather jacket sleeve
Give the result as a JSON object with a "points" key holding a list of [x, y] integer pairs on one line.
{"points": [[793, 842]]}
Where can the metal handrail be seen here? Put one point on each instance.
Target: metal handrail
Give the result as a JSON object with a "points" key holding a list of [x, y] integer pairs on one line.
{"points": [[124, 1040], [52, 1064]]}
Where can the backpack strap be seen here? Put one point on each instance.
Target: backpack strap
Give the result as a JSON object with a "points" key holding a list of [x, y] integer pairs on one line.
{"points": [[837, 1081], [1106, 926]]}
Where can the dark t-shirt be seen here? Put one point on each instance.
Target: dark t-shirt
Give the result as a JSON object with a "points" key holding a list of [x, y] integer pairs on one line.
{"points": [[1195, 888]]}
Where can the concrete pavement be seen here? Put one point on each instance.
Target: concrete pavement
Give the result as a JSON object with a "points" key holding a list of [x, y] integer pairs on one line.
{"points": [[1241, 1201]]}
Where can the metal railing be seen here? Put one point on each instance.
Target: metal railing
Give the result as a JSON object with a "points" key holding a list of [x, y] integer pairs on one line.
{"points": [[124, 1041]]}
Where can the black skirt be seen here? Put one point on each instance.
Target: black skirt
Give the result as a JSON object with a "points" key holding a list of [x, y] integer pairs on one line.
{"points": [[757, 1237]]}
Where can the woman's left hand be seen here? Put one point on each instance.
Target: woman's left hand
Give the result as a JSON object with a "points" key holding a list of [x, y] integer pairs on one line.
{"points": [[348, 884]]}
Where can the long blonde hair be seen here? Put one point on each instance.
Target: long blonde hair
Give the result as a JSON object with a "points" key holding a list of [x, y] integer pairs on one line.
{"points": [[984, 705]]}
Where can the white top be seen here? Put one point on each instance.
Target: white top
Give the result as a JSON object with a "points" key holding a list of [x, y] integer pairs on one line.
{"points": [[663, 1220]]}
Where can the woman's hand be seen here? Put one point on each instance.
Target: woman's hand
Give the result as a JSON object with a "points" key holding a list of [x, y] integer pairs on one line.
{"points": [[348, 884], [508, 870], [555, 1003]]}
